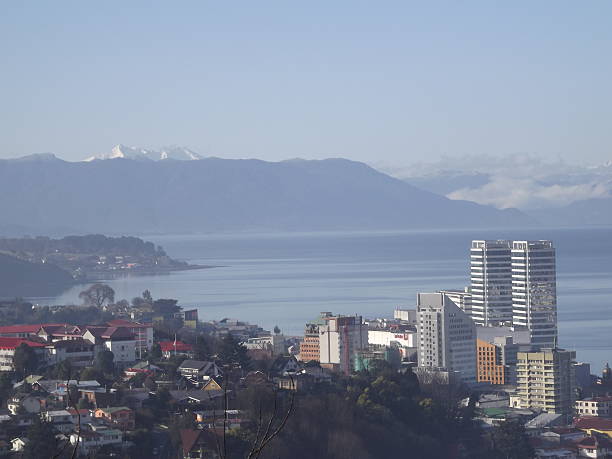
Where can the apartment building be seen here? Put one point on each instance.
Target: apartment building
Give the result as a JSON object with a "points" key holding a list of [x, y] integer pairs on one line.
{"points": [[446, 336], [339, 339], [496, 361], [595, 406], [546, 380], [310, 350]]}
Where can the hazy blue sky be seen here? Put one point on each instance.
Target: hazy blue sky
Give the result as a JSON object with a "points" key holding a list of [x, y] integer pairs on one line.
{"points": [[376, 81]]}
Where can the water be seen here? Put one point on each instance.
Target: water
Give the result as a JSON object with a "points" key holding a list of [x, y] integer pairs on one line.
{"points": [[287, 279]]}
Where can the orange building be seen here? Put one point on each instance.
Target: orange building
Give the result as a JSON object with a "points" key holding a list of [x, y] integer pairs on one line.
{"points": [[309, 347], [489, 363]]}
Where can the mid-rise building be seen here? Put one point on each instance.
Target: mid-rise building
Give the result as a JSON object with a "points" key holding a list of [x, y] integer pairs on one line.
{"points": [[403, 340], [405, 315], [462, 298], [596, 406], [546, 380], [446, 336], [491, 282], [496, 361], [339, 339], [534, 290], [310, 350]]}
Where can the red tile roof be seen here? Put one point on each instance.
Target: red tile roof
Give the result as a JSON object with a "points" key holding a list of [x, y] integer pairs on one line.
{"points": [[189, 438], [24, 328], [180, 346], [593, 422], [14, 343], [594, 442]]}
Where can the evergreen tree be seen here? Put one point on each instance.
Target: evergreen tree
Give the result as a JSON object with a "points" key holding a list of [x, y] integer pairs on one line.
{"points": [[233, 353], [156, 352], [104, 362], [42, 441], [25, 360], [510, 441]]}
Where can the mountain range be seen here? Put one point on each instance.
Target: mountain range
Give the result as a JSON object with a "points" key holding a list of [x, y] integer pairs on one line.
{"points": [[137, 191]]}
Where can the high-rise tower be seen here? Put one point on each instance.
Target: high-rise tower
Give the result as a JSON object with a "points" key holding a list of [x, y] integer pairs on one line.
{"points": [[491, 282], [534, 290]]}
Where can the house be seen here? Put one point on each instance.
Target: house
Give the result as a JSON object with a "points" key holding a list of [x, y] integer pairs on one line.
{"points": [[92, 440], [555, 452], [143, 333], [61, 419], [214, 419], [21, 331], [255, 378], [595, 446], [195, 398], [120, 341], [18, 444], [285, 364], [562, 435], [593, 425], [199, 444], [134, 398], [99, 397], [59, 332], [7, 351], [120, 416], [80, 416], [28, 403], [79, 352], [544, 420], [197, 370], [170, 348], [298, 382], [212, 385]]}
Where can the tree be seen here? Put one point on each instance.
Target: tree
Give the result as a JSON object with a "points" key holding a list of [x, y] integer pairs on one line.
{"points": [[201, 350], [510, 441], [97, 295], [41, 438], [276, 330], [91, 374], [104, 362], [63, 370], [231, 352], [6, 386], [165, 306], [25, 360], [146, 295], [156, 352]]}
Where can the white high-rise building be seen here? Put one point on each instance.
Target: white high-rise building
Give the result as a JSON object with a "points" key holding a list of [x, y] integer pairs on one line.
{"points": [[491, 282], [462, 298], [446, 336], [339, 339], [534, 290]]}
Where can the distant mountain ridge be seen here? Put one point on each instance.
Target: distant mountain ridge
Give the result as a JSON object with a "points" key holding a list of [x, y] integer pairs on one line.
{"points": [[125, 196], [125, 152]]}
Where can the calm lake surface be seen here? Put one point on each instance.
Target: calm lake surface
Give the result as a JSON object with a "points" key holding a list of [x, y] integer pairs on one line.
{"points": [[287, 279]]}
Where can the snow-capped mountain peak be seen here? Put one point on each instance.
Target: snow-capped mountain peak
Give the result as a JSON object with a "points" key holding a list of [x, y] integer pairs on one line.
{"points": [[125, 152]]}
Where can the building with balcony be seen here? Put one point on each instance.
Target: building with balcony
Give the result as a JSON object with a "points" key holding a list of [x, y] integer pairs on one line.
{"points": [[546, 380]]}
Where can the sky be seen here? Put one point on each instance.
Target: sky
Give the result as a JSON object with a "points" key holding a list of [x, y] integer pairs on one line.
{"points": [[382, 82]]}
